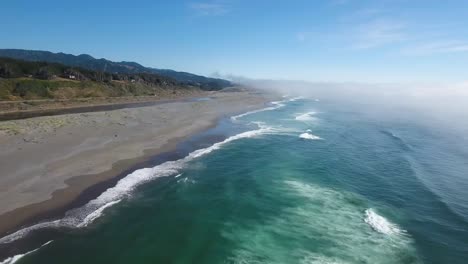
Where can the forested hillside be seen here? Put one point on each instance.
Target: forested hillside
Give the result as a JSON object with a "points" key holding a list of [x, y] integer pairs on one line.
{"points": [[21, 80], [102, 65]]}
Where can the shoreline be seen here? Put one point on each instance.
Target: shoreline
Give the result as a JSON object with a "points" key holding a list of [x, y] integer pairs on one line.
{"points": [[73, 196], [174, 150], [80, 189]]}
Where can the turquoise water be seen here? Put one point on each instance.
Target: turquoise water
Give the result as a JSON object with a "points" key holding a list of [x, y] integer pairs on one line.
{"points": [[304, 181]]}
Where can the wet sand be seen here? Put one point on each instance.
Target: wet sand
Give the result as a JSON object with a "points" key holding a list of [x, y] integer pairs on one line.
{"points": [[48, 162]]}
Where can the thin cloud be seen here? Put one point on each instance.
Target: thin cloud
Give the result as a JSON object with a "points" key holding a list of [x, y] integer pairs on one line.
{"points": [[209, 8], [371, 34], [379, 33], [449, 46]]}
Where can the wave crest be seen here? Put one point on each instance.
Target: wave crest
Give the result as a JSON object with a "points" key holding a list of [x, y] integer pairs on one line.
{"points": [[309, 136], [381, 224], [275, 105], [16, 258], [306, 116]]}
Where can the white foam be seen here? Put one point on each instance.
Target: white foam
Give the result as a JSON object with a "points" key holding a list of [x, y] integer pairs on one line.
{"points": [[22, 232], [96, 214], [296, 98], [320, 214], [276, 130], [182, 180], [309, 136], [275, 105], [83, 216], [306, 116], [248, 134], [15, 258], [186, 180], [380, 223]]}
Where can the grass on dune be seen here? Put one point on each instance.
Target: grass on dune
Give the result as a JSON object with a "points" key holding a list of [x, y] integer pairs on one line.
{"points": [[30, 89]]}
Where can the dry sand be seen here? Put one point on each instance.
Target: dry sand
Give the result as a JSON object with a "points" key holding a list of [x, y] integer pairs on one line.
{"points": [[46, 162]]}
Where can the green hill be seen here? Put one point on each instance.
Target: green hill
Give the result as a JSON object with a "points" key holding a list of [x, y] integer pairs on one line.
{"points": [[102, 65], [25, 80]]}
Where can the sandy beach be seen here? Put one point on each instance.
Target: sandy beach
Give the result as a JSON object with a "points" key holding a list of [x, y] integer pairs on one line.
{"points": [[47, 162]]}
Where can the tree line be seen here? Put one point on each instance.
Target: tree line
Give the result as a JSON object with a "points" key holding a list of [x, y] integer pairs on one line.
{"points": [[13, 68]]}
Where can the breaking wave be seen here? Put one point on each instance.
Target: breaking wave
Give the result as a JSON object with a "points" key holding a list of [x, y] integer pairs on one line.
{"points": [[309, 136], [15, 258], [306, 116], [274, 105], [381, 224], [318, 216], [96, 214]]}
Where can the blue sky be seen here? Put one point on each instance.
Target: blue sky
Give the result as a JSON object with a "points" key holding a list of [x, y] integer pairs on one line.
{"points": [[328, 40]]}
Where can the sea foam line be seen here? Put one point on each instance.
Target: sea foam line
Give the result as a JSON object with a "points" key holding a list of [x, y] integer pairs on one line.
{"points": [[306, 116], [83, 216], [96, 214], [275, 105], [15, 258]]}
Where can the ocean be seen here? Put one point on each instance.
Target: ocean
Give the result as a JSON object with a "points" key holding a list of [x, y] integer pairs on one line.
{"points": [[300, 181]]}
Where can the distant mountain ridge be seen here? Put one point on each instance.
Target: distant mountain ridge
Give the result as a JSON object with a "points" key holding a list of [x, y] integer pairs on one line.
{"points": [[88, 62]]}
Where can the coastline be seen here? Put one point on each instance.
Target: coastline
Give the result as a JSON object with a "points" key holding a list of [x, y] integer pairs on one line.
{"points": [[78, 189]]}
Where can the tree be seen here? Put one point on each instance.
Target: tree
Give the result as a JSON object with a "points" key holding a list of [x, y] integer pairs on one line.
{"points": [[43, 74]]}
